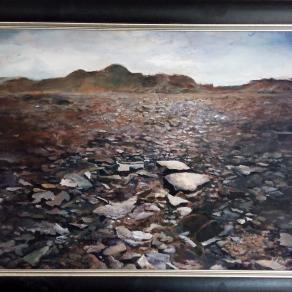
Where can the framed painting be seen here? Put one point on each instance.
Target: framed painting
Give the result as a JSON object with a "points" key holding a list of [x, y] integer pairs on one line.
{"points": [[146, 150]]}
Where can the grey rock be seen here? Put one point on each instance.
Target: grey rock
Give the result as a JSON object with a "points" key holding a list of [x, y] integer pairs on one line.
{"points": [[59, 199], [116, 249], [126, 167], [94, 248], [34, 257], [74, 180], [133, 238], [39, 196], [117, 210], [158, 260], [286, 239]]}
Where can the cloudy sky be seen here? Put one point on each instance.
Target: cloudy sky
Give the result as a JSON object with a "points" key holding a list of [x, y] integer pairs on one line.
{"points": [[221, 58]]}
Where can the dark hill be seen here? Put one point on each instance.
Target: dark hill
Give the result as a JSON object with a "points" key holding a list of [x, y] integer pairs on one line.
{"points": [[114, 77]]}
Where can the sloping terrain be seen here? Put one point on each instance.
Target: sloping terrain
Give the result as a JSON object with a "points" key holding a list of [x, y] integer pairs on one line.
{"points": [[114, 77], [149, 180]]}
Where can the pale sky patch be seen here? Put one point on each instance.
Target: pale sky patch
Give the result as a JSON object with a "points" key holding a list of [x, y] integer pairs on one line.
{"points": [[221, 58]]}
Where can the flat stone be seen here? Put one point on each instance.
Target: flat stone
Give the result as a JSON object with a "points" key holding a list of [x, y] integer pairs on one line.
{"points": [[246, 170], [114, 263], [144, 211], [187, 240], [143, 263], [95, 263], [129, 255], [74, 180], [286, 239], [176, 201], [117, 210], [116, 249], [133, 238], [173, 165], [38, 197], [94, 248], [183, 211], [158, 260], [126, 167], [48, 186], [59, 199], [186, 181], [34, 257], [270, 264], [160, 193]]}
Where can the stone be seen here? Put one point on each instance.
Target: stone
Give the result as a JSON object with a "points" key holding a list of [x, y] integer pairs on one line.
{"points": [[45, 227], [7, 246], [172, 165], [133, 238], [94, 248], [74, 180], [183, 211], [246, 170], [187, 240], [114, 263], [117, 210], [271, 264], [60, 230], [186, 181], [144, 211], [146, 173], [34, 257], [169, 250], [176, 201], [95, 263], [130, 267], [48, 186], [126, 167], [128, 256], [143, 263], [59, 199], [158, 260], [38, 197], [116, 249], [160, 193], [286, 239]]}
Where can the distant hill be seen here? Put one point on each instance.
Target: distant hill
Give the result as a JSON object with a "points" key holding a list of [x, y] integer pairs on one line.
{"points": [[118, 78], [270, 85], [113, 77]]}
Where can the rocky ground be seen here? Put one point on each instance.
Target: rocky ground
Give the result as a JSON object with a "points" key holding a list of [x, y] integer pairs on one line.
{"points": [[146, 181]]}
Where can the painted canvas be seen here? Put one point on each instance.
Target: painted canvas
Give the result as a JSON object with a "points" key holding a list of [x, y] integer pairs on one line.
{"points": [[155, 150]]}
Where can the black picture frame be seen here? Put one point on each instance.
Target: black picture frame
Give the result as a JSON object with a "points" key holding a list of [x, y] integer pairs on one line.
{"points": [[142, 11]]}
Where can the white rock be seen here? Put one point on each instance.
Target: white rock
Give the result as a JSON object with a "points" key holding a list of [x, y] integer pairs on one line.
{"points": [[117, 210], [183, 211], [243, 169], [143, 263], [186, 181], [176, 201], [173, 165], [286, 239]]}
